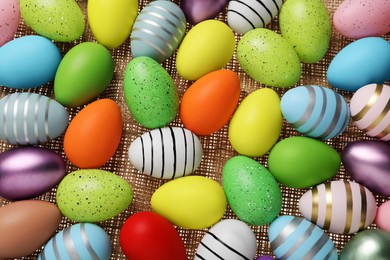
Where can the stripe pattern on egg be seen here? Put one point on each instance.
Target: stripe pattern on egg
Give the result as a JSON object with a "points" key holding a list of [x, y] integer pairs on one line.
{"points": [[370, 106], [245, 15], [30, 118], [166, 153], [341, 207], [315, 111], [158, 30]]}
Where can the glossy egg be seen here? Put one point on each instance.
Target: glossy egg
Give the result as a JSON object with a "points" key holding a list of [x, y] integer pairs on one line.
{"points": [[83, 74], [42, 169], [265, 55], [150, 93], [158, 30], [30, 118], [89, 241], [301, 162], [370, 110], [218, 92], [62, 20], [93, 195], [9, 20], [256, 124], [197, 11], [251, 190], [111, 21], [341, 207], [208, 46], [28, 62], [296, 238], [383, 216], [315, 111], [166, 153], [192, 202], [359, 63], [147, 235], [93, 135], [28, 224], [228, 239]]}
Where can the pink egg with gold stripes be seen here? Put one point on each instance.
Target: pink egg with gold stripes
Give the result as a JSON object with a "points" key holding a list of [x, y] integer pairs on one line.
{"points": [[341, 207]]}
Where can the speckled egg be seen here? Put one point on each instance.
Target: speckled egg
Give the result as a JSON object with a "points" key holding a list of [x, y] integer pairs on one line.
{"points": [[61, 20], [268, 58], [150, 93], [383, 216], [251, 190], [9, 19], [93, 195]]}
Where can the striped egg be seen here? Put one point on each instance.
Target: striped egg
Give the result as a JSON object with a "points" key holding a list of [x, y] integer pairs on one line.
{"points": [[166, 153], [370, 106], [30, 118], [315, 111], [79, 241], [294, 237], [158, 30], [228, 239], [341, 207], [246, 15]]}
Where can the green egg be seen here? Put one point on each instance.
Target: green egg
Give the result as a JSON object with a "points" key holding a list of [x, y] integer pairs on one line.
{"points": [[268, 58], [93, 195], [252, 192], [150, 93]]}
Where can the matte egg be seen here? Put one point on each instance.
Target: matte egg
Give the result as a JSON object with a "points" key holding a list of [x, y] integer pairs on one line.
{"points": [[383, 216], [197, 11], [9, 20], [25, 226], [93, 195]]}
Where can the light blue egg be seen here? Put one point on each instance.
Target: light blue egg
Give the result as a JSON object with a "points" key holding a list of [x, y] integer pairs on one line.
{"points": [[294, 237], [28, 62], [315, 111], [361, 62], [80, 241]]}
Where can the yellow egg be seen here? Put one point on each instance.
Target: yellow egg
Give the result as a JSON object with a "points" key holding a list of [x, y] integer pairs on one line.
{"points": [[256, 124]]}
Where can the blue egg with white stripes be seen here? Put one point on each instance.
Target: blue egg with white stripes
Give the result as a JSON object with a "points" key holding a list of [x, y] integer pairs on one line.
{"points": [[158, 30], [293, 237], [315, 111], [79, 241]]}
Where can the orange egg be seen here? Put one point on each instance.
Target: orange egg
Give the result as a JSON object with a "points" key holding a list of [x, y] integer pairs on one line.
{"points": [[93, 135], [209, 102]]}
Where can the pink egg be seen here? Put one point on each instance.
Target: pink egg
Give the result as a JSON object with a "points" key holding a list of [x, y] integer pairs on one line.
{"points": [[361, 18], [9, 19], [383, 216]]}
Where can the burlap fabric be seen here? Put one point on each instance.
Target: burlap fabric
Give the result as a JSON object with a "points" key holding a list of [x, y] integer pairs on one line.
{"points": [[217, 148]]}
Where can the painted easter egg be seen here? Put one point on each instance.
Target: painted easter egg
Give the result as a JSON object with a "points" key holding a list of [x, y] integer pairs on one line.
{"points": [[28, 224], [93, 195], [296, 238], [370, 107], [265, 55], [193, 202], [341, 207], [218, 92], [158, 30], [30, 118], [89, 241], [208, 46], [197, 11], [228, 239], [243, 16], [256, 124], [315, 111], [383, 216], [28, 62], [9, 20], [166, 153], [93, 135], [359, 63], [301, 162]]}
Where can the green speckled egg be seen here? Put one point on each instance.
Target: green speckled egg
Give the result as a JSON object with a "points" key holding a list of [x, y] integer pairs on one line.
{"points": [[60, 20], [252, 192], [150, 93], [93, 195], [268, 58], [306, 25]]}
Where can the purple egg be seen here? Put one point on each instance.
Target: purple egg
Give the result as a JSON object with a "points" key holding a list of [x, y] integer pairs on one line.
{"points": [[28, 171], [368, 163], [200, 10], [265, 257]]}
